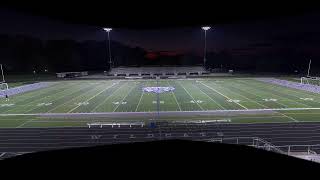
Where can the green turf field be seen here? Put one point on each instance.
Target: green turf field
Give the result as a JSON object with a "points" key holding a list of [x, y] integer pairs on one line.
{"points": [[100, 96]]}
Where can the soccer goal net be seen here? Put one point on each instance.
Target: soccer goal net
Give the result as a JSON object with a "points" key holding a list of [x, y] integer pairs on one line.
{"points": [[311, 80], [3, 89]]}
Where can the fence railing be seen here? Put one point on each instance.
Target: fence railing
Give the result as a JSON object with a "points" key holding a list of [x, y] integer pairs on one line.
{"points": [[263, 144]]}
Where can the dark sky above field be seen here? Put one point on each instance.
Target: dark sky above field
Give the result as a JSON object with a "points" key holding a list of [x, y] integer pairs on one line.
{"points": [[297, 31]]}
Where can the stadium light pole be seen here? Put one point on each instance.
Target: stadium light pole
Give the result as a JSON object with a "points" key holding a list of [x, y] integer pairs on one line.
{"points": [[108, 35], [205, 28], [3, 80]]}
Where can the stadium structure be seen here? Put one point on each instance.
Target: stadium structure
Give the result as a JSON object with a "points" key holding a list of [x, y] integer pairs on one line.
{"points": [[136, 104]]}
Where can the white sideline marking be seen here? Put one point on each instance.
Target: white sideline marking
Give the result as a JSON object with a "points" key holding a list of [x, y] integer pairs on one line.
{"points": [[208, 111], [223, 95]]}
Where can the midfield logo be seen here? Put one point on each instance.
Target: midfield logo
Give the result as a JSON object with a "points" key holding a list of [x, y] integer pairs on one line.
{"points": [[158, 89]]}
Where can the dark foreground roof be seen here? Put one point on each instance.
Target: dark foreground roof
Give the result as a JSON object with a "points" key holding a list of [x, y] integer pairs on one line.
{"points": [[167, 154]]}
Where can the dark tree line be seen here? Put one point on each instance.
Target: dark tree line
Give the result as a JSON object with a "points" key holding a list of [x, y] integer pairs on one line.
{"points": [[25, 54]]}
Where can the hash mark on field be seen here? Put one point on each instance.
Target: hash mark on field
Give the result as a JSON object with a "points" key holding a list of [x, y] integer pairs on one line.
{"points": [[92, 97], [191, 96], [223, 95]]}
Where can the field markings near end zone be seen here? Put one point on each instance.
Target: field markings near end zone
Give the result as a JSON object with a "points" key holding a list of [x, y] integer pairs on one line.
{"points": [[210, 98], [55, 99], [108, 97], [257, 89], [250, 100], [123, 98], [223, 95], [32, 101], [191, 96], [92, 97], [271, 86], [175, 98]]}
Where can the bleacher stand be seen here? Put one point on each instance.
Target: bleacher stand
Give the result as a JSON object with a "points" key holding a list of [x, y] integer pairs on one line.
{"points": [[161, 71]]}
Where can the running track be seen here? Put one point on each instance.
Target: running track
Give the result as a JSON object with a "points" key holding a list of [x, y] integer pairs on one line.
{"points": [[40, 139]]}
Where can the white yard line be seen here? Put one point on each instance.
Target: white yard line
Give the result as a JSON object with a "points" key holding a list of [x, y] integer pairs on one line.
{"points": [[54, 99], [223, 95], [24, 123], [175, 98], [288, 117], [108, 97], [270, 93], [191, 96], [250, 100], [124, 98], [139, 101], [66, 101], [92, 97], [279, 86], [37, 99], [210, 98]]}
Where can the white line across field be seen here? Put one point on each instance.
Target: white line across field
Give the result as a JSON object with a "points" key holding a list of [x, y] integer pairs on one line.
{"points": [[151, 112], [97, 94], [223, 95], [190, 96]]}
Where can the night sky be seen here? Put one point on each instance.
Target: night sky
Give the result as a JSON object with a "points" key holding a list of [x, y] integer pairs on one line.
{"points": [[300, 32]]}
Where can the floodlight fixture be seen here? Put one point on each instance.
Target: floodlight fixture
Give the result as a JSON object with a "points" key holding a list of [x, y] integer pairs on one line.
{"points": [[107, 29], [206, 28], [108, 45]]}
